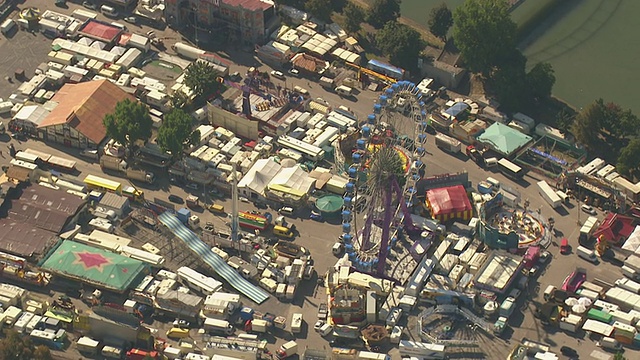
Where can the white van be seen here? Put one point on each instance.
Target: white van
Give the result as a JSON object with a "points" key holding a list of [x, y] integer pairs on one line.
{"points": [[108, 11], [493, 182], [491, 162], [609, 343], [344, 90], [7, 26], [587, 254], [630, 273]]}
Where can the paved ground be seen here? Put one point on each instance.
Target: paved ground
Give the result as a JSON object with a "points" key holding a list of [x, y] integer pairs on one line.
{"points": [[26, 51]]}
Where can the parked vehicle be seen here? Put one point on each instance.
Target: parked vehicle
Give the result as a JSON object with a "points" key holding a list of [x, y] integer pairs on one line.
{"points": [[587, 254], [448, 143], [287, 349], [588, 209], [90, 5], [277, 74], [322, 311]]}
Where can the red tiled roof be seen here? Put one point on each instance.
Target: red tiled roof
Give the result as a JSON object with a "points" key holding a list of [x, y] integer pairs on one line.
{"points": [[100, 30], [83, 106], [248, 4]]}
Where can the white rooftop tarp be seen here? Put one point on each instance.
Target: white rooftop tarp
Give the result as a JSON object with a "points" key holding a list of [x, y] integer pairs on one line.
{"points": [[633, 242], [258, 177]]}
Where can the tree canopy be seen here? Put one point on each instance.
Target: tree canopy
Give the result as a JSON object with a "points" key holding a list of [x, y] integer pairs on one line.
{"points": [[129, 122], [440, 20], [321, 9], [15, 346], [484, 33], [629, 159], [540, 80], [383, 11], [176, 133], [354, 16], [202, 79], [401, 43]]}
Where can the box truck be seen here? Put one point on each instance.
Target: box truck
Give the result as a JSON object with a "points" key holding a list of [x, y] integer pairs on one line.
{"points": [[448, 143]]}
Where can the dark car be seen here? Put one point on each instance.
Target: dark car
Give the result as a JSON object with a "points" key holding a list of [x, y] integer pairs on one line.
{"points": [[175, 199], [567, 351]]}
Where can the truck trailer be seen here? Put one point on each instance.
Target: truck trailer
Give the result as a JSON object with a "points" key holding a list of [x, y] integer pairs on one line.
{"points": [[448, 143], [121, 166], [548, 194]]}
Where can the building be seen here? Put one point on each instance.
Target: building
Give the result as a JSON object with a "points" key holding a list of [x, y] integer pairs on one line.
{"points": [[100, 268], [503, 139], [76, 119], [35, 218], [615, 229], [242, 21], [254, 184], [449, 203]]}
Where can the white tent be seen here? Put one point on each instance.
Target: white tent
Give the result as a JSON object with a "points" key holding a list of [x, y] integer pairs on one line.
{"points": [[633, 242], [258, 177], [294, 178]]}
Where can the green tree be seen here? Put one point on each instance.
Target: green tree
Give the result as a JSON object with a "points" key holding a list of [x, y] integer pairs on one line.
{"points": [[587, 124], [401, 43], [353, 17], [42, 353], [540, 80], [629, 158], [18, 347], [383, 11], [484, 33], [176, 133], [129, 122], [440, 20], [321, 9], [508, 82], [202, 79], [179, 100], [564, 120], [619, 356]]}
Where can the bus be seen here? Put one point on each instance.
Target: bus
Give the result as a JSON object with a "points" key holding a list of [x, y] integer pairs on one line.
{"points": [[27, 157], [71, 186], [133, 194], [149, 258], [253, 222], [309, 151], [83, 15], [137, 354], [510, 169], [43, 156], [97, 183], [197, 281], [23, 164], [62, 164], [49, 338]]}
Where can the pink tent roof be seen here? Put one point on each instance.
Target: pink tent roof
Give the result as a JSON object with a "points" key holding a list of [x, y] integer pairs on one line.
{"points": [[448, 200]]}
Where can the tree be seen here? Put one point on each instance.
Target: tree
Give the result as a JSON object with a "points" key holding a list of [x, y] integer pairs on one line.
{"points": [[42, 353], [587, 124], [16, 346], [179, 100], [540, 80], [202, 79], [129, 122], [484, 33], [353, 17], [564, 120], [176, 133], [401, 43], [629, 158], [383, 11], [440, 20], [321, 9]]}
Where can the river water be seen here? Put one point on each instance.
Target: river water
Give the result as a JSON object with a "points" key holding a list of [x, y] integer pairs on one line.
{"points": [[592, 45]]}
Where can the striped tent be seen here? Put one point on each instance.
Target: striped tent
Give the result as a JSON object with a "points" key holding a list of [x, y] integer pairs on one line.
{"points": [[449, 203]]}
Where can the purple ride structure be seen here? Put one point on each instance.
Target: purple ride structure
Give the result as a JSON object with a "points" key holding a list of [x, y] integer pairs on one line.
{"points": [[385, 166]]}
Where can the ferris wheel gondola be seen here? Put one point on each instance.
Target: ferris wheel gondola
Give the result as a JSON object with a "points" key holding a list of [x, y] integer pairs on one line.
{"points": [[386, 164]]}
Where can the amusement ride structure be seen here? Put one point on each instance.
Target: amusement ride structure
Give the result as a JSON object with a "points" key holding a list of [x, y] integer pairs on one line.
{"points": [[385, 166]]}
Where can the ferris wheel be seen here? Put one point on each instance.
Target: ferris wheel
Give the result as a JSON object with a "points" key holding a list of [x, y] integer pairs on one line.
{"points": [[385, 166]]}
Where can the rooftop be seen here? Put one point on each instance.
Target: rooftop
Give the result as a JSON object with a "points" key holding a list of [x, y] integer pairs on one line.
{"points": [[249, 4], [83, 107], [100, 30]]}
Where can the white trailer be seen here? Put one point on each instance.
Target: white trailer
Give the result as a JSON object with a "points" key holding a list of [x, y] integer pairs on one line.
{"points": [[188, 51], [628, 284], [448, 143], [548, 194], [87, 345]]}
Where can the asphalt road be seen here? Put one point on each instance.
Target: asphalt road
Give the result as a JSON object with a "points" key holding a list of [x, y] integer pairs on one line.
{"points": [[319, 237]]}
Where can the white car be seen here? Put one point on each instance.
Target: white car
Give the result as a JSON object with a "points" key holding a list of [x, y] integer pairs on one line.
{"points": [[588, 209], [294, 72], [277, 74]]}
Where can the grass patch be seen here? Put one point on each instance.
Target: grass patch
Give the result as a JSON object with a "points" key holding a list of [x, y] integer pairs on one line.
{"points": [[168, 66]]}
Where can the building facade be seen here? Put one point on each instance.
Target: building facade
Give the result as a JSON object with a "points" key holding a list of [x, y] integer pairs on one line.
{"points": [[243, 21]]}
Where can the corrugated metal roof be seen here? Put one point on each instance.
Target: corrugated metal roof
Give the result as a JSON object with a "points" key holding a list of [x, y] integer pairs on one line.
{"points": [[114, 201]]}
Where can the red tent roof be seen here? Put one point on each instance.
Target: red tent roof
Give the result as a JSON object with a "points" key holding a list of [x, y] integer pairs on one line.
{"points": [[615, 228], [448, 200]]}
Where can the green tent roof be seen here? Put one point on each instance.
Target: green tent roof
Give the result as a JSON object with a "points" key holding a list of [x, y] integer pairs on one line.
{"points": [[329, 203], [99, 267], [503, 139]]}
